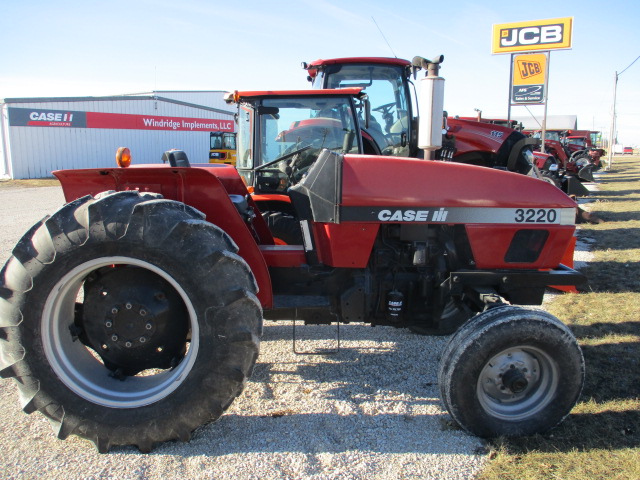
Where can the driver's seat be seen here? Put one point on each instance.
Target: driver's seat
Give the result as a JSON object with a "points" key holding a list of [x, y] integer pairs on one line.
{"points": [[176, 158]]}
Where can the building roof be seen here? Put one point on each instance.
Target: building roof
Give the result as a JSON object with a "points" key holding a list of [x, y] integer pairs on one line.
{"points": [[164, 96], [554, 122]]}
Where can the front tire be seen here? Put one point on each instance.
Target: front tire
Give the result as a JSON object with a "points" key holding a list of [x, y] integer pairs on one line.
{"points": [[551, 177], [129, 320], [511, 371]]}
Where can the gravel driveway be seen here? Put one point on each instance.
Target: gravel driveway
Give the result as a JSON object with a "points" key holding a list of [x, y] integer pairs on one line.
{"points": [[371, 411]]}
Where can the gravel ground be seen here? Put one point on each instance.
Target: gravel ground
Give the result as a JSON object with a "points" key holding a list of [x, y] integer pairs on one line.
{"points": [[371, 411]]}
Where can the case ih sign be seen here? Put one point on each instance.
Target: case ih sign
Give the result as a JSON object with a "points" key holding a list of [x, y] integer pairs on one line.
{"points": [[27, 117], [536, 35]]}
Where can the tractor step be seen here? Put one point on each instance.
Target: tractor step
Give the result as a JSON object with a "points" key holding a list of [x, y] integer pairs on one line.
{"points": [[310, 342], [312, 310], [300, 301]]}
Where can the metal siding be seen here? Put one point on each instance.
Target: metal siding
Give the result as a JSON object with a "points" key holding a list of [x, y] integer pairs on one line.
{"points": [[5, 147], [214, 99], [36, 151]]}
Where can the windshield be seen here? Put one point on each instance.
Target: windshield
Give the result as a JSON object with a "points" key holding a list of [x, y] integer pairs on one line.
{"points": [[578, 141], [223, 141], [385, 87], [548, 135], [289, 135], [245, 137], [288, 125]]}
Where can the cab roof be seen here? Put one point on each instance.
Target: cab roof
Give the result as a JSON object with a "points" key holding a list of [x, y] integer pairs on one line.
{"points": [[236, 96], [384, 60]]}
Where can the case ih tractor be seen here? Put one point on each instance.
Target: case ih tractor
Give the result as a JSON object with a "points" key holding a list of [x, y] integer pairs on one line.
{"points": [[581, 146], [395, 120], [133, 314], [394, 124], [578, 163]]}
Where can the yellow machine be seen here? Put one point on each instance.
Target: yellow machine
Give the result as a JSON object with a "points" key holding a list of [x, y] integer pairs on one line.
{"points": [[222, 148]]}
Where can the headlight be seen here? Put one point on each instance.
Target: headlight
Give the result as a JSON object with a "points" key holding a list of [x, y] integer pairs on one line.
{"points": [[528, 156], [553, 167], [581, 162]]}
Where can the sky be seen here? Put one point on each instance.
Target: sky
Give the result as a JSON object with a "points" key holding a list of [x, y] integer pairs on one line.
{"points": [[95, 48]]}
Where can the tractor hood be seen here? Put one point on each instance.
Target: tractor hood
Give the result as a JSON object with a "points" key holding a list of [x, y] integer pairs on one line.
{"points": [[361, 188]]}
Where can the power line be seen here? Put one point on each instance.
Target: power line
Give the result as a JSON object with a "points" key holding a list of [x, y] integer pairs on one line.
{"points": [[629, 66]]}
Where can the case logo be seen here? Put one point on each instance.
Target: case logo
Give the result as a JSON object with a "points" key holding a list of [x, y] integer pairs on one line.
{"points": [[439, 215]]}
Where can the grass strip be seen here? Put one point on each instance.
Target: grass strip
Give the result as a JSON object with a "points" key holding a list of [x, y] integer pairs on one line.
{"points": [[601, 437]]}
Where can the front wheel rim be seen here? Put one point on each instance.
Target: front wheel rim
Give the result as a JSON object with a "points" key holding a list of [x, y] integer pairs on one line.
{"points": [[81, 371], [517, 383]]}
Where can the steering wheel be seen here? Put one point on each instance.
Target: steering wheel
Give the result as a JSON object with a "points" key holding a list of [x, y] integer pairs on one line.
{"points": [[387, 116], [283, 157], [385, 109], [300, 164]]}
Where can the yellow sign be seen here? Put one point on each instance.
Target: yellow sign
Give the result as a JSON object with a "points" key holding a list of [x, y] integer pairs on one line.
{"points": [[529, 69], [536, 35], [528, 82]]}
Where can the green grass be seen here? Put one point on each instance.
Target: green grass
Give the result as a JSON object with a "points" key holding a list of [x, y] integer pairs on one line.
{"points": [[601, 437], [32, 183]]}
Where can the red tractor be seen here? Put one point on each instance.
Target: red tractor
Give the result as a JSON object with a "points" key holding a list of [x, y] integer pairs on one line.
{"points": [[478, 141], [576, 162], [580, 146], [133, 315], [393, 129]]}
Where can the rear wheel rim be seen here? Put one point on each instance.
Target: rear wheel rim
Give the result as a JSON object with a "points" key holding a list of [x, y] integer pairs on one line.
{"points": [[80, 370]]}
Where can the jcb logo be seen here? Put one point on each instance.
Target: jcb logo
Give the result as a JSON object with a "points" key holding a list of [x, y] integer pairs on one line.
{"points": [[532, 36], [528, 36], [529, 69]]}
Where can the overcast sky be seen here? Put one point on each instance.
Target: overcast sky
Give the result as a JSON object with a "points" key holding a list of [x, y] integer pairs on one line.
{"points": [[77, 48]]}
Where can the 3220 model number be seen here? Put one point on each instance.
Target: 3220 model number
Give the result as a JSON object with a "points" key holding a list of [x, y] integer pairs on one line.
{"points": [[532, 215]]}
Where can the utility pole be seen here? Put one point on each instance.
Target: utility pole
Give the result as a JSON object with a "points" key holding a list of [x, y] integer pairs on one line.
{"points": [[612, 131]]}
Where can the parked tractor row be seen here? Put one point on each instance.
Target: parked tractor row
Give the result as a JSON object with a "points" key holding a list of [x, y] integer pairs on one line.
{"points": [[133, 315]]}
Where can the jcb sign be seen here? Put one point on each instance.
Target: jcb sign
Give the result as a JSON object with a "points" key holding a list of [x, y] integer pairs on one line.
{"points": [[528, 80], [529, 69], [532, 36]]}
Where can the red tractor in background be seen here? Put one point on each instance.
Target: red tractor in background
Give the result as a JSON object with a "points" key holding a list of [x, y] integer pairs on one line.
{"points": [[513, 124], [578, 161], [393, 129], [581, 145], [133, 315], [395, 119]]}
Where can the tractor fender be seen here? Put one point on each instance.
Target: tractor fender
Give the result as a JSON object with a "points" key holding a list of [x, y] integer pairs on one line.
{"points": [[207, 189], [517, 148], [578, 153]]}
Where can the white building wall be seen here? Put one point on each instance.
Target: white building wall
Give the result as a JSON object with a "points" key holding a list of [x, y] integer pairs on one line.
{"points": [[36, 151], [5, 162], [214, 99], [35, 154]]}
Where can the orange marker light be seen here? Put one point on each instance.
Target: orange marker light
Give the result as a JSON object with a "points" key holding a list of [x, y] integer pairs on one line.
{"points": [[123, 157]]}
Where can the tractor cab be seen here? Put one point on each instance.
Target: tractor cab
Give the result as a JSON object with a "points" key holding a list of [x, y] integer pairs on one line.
{"points": [[390, 130], [281, 134], [398, 114]]}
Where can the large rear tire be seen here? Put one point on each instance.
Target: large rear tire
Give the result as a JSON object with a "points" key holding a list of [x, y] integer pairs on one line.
{"points": [[511, 371], [128, 320]]}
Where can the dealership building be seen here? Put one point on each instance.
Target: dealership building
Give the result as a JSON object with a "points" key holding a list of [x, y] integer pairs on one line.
{"points": [[39, 135]]}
